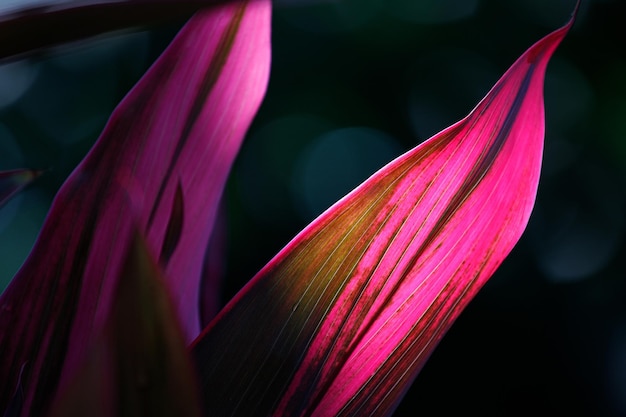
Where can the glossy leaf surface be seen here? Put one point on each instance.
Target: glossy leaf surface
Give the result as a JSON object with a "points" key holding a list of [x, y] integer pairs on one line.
{"points": [[341, 321], [162, 160]]}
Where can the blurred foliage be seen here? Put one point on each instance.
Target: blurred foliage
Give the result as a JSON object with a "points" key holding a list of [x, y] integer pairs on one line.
{"points": [[354, 84]]}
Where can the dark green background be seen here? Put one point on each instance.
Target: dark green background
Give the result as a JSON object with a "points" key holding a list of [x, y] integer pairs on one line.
{"points": [[354, 84]]}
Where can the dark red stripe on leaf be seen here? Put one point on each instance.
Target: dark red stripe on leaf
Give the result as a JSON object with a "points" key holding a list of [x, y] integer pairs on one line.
{"points": [[210, 79], [57, 301], [174, 227], [54, 290], [470, 183], [482, 167], [343, 318]]}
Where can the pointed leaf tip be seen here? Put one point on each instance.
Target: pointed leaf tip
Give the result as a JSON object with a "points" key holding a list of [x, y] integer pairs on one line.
{"points": [[343, 318]]}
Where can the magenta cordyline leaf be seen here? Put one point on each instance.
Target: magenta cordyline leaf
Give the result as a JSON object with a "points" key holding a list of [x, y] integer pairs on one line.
{"points": [[341, 321], [11, 182], [138, 364], [164, 156]]}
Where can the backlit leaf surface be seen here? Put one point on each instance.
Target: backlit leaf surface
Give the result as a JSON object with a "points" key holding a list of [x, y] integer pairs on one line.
{"points": [[161, 161], [341, 321]]}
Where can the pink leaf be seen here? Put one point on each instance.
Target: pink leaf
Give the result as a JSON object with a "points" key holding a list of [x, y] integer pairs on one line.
{"points": [[341, 321], [162, 159], [138, 364]]}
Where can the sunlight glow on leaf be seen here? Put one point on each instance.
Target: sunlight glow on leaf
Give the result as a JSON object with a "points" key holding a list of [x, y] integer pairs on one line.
{"points": [[341, 321]]}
